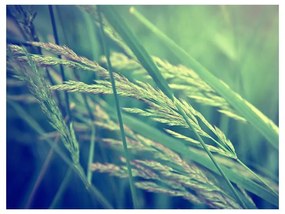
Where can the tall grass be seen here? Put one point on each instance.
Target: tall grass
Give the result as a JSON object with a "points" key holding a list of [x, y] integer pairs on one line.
{"points": [[120, 119], [252, 114], [170, 147]]}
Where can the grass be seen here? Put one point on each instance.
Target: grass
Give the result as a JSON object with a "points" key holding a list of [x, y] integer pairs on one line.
{"points": [[154, 72], [164, 115], [31, 122], [128, 89], [55, 34], [120, 119], [253, 115]]}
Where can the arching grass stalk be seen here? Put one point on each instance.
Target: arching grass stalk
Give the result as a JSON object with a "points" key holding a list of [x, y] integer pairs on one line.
{"points": [[181, 111], [40, 89], [29, 34], [118, 23], [236, 177], [262, 123], [120, 119], [248, 111]]}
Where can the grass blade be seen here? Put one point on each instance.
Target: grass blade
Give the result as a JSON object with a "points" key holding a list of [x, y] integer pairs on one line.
{"points": [[237, 196], [61, 189], [259, 178], [138, 50], [147, 62], [40, 177], [91, 153], [262, 123], [119, 115], [193, 154]]}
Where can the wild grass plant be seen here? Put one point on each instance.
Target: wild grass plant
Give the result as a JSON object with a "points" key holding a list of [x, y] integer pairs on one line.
{"points": [[153, 132]]}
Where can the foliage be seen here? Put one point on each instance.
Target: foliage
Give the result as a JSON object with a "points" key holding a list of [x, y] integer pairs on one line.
{"points": [[170, 145]]}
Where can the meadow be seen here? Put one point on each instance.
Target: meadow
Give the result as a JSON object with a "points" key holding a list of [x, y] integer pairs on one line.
{"points": [[142, 107]]}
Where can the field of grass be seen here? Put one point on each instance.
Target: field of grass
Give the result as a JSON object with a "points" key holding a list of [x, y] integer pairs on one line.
{"points": [[144, 107]]}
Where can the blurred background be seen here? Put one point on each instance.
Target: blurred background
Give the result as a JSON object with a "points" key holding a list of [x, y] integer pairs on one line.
{"points": [[239, 44]]}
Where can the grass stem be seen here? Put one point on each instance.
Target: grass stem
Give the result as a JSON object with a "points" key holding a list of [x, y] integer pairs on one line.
{"points": [[55, 33], [91, 153], [61, 189], [183, 114], [120, 119], [261, 122], [257, 177], [40, 177], [143, 56]]}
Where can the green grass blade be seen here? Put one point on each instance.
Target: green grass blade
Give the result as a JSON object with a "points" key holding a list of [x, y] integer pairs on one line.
{"points": [[92, 138], [91, 154], [119, 115], [138, 49], [257, 177], [61, 189], [179, 147], [237, 196], [193, 154], [262, 123], [40, 177], [118, 23]]}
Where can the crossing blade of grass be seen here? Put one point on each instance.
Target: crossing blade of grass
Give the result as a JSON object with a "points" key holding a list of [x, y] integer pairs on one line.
{"points": [[77, 169], [40, 176], [119, 115], [117, 22], [61, 189], [138, 50], [259, 178], [193, 154], [237, 196], [262, 123]]}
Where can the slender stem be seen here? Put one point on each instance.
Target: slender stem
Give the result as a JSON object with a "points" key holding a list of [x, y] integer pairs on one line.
{"points": [[61, 189], [92, 139], [40, 177], [183, 114], [154, 72], [261, 122], [120, 119], [91, 153], [91, 188], [257, 177], [55, 34]]}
